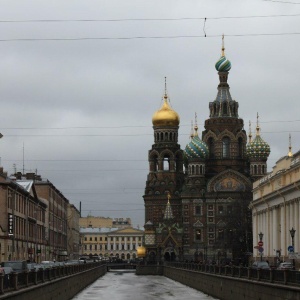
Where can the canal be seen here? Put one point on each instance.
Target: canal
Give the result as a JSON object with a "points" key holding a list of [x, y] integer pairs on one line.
{"points": [[124, 284]]}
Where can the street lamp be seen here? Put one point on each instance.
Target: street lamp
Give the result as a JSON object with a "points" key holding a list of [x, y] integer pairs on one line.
{"points": [[292, 232], [261, 235]]}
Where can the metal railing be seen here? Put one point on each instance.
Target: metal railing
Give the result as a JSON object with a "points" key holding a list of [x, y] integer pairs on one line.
{"points": [[288, 277], [17, 281]]}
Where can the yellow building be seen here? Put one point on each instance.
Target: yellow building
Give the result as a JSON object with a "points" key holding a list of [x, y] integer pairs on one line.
{"points": [[111, 242], [102, 222]]}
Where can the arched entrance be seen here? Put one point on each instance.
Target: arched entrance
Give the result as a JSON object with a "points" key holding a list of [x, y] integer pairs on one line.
{"points": [[169, 254]]}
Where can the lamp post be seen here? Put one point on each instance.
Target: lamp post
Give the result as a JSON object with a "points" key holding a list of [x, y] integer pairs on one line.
{"points": [[261, 235], [292, 232]]}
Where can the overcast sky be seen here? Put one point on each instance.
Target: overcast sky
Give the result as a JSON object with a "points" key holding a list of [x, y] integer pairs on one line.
{"points": [[82, 105]]}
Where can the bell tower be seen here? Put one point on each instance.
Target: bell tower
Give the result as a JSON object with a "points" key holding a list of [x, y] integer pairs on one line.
{"points": [[165, 175]]}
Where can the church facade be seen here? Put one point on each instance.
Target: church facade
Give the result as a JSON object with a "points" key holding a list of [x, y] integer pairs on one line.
{"points": [[197, 199]]}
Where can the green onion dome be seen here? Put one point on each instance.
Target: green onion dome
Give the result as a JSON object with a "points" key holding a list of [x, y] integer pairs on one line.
{"points": [[258, 148], [223, 64], [196, 149]]}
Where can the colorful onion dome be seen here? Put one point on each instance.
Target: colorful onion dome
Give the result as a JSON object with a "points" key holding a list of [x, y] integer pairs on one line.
{"points": [[223, 64], [166, 116], [196, 148], [258, 148]]}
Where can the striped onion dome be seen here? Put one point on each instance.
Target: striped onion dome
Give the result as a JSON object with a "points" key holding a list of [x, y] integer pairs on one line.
{"points": [[223, 64], [196, 148]]}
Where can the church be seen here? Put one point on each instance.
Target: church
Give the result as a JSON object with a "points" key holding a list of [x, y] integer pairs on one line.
{"points": [[197, 198]]}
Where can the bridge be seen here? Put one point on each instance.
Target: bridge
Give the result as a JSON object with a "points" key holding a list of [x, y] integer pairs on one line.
{"points": [[222, 282]]}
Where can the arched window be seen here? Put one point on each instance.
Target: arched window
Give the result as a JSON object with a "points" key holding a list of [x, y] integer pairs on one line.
{"points": [[241, 148], [198, 235], [263, 169], [155, 164], [255, 169], [226, 147], [166, 163], [224, 106], [211, 146], [197, 170]]}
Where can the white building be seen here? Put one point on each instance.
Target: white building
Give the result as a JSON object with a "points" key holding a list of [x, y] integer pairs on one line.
{"points": [[276, 209]]}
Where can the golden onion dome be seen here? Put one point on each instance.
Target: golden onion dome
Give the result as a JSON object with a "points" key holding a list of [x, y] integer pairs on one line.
{"points": [[141, 251], [165, 116]]}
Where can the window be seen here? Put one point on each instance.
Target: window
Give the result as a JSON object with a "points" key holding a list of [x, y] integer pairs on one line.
{"points": [[166, 163], [198, 235], [95, 247], [220, 209], [229, 209], [226, 147], [211, 146], [95, 239], [198, 210], [91, 238], [220, 234], [241, 147]]}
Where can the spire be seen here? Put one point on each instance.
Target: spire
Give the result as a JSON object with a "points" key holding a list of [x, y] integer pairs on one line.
{"points": [[196, 125], [290, 154], [257, 125], [223, 47], [168, 212], [192, 130], [166, 94], [250, 133]]}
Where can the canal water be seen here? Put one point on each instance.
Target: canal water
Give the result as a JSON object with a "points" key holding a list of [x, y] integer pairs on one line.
{"points": [[124, 284]]}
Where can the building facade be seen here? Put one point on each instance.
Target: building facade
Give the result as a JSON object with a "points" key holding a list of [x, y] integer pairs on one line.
{"points": [[103, 222], [56, 225], [276, 211], [22, 220], [111, 242], [196, 199], [73, 232]]}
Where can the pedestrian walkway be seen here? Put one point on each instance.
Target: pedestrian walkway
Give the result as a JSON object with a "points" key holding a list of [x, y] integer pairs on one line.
{"points": [[124, 284]]}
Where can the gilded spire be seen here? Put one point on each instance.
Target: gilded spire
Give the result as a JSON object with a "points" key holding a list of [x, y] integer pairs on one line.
{"points": [[223, 47], [166, 94], [290, 154], [250, 133]]}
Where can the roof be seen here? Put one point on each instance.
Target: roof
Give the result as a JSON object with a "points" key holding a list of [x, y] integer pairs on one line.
{"points": [[25, 184], [97, 230]]}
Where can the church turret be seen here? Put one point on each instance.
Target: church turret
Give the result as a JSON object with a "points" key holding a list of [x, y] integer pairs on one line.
{"points": [[224, 133], [258, 152]]}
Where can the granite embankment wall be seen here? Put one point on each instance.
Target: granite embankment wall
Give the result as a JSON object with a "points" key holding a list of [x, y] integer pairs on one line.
{"points": [[63, 288], [232, 288]]}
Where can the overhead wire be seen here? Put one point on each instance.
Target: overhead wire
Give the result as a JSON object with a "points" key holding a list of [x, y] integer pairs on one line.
{"points": [[145, 37], [149, 19]]}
